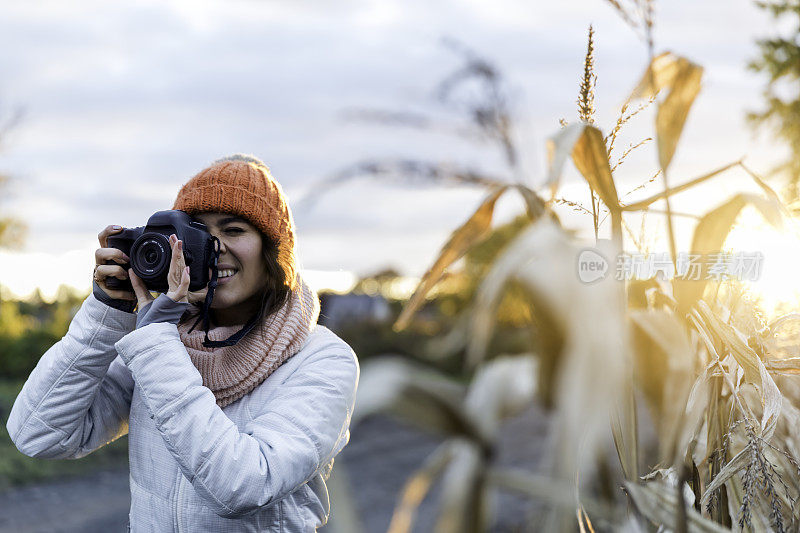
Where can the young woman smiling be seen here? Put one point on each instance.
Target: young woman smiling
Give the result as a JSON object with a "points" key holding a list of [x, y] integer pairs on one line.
{"points": [[230, 429]]}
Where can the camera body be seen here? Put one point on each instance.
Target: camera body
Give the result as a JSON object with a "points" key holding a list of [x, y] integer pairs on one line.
{"points": [[150, 253]]}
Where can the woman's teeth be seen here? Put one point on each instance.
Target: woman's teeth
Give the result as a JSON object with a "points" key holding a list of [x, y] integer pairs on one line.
{"points": [[226, 273]]}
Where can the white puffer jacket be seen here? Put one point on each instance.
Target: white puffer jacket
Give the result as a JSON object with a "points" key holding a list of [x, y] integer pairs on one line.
{"points": [[259, 464]]}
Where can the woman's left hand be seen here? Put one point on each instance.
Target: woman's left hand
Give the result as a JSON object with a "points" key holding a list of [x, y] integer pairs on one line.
{"points": [[178, 277]]}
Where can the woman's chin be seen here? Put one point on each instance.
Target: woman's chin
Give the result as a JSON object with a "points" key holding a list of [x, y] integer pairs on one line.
{"points": [[220, 301]]}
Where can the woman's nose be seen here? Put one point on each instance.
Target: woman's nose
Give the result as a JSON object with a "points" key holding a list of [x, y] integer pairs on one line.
{"points": [[220, 238]]}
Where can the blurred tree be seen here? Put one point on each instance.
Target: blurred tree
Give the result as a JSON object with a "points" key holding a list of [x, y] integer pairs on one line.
{"points": [[29, 327], [66, 304], [377, 283], [17, 329], [13, 323], [780, 59], [12, 230]]}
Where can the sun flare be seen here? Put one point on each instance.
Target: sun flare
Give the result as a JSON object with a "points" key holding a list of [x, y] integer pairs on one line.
{"points": [[778, 285]]}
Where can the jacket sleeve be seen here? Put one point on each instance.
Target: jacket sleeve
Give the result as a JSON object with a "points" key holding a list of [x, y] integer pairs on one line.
{"points": [[78, 397], [304, 425]]}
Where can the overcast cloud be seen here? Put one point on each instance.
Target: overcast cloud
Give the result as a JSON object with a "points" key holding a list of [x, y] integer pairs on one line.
{"points": [[124, 103]]}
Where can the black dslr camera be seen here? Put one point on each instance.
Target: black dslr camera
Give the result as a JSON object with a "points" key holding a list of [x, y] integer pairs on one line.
{"points": [[150, 252]]}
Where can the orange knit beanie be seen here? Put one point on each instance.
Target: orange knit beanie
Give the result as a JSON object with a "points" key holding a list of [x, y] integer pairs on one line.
{"points": [[243, 185]]}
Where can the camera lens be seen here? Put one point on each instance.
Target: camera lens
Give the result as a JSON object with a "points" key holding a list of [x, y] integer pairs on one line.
{"points": [[150, 256]]}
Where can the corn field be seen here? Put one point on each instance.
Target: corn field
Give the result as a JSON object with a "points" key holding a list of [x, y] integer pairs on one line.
{"points": [[689, 358]]}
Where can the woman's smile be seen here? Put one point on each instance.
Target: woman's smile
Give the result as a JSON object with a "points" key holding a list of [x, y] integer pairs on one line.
{"points": [[225, 275]]}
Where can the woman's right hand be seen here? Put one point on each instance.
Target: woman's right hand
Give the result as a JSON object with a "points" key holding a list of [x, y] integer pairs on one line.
{"points": [[103, 271], [198, 297]]}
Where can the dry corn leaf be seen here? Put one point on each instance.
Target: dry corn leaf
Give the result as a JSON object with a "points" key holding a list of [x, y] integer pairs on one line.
{"points": [[733, 466], [713, 228], [417, 486], [689, 431], [756, 374], [657, 501], [659, 74], [709, 236], [559, 147], [644, 204], [452, 342], [771, 401], [395, 385], [490, 291], [718, 421], [624, 429], [745, 356], [539, 487], [463, 504], [501, 388], [682, 79], [665, 367], [780, 344], [594, 358], [789, 365], [583, 520], [591, 159], [770, 192], [673, 111], [472, 231], [534, 204]]}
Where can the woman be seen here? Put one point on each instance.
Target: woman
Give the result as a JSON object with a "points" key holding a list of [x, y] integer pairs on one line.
{"points": [[236, 436]]}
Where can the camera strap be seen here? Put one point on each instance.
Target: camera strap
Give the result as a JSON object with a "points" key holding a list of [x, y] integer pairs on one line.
{"points": [[204, 315]]}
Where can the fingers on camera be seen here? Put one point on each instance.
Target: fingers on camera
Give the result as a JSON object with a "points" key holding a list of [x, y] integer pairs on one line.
{"points": [[101, 255], [108, 230], [116, 271], [177, 251], [105, 271]]}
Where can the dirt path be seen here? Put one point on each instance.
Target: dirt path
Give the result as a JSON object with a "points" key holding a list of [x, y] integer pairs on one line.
{"points": [[95, 503]]}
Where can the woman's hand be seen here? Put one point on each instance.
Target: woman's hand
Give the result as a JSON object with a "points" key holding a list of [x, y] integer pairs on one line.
{"points": [[102, 271], [177, 277], [198, 297]]}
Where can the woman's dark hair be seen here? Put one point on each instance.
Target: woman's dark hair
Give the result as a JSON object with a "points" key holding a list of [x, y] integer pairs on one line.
{"points": [[276, 293]]}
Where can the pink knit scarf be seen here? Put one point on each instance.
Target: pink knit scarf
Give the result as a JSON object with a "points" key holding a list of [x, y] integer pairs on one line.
{"points": [[233, 371]]}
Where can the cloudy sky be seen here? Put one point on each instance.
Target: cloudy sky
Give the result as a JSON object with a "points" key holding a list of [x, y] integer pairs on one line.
{"points": [[122, 103]]}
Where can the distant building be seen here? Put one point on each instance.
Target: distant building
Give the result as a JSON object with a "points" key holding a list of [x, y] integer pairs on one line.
{"points": [[337, 310]]}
